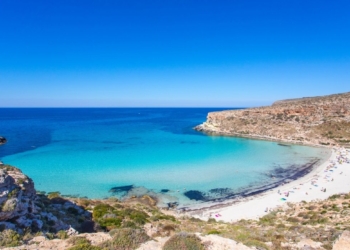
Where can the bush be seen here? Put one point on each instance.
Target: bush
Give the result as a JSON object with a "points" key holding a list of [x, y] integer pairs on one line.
{"points": [[268, 219], [110, 223], [293, 220], [280, 226], [10, 205], [77, 240], [125, 239], [214, 232], [62, 234], [312, 207], [86, 246], [163, 217], [101, 210], [335, 196], [9, 238], [183, 241], [52, 195], [138, 217], [211, 220], [81, 243]]}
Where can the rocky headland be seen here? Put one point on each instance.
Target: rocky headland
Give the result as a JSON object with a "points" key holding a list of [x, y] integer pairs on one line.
{"points": [[321, 120]]}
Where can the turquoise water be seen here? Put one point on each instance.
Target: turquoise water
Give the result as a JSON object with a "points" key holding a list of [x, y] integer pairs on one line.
{"points": [[86, 152]]}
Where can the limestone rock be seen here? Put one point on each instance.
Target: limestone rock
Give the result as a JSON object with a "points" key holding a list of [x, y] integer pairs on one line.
{"points": [[17, 193], [343, 243], [314, 121], [22, 208]]}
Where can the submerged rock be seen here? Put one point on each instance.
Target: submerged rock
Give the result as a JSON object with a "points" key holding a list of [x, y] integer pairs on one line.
{"points": [[121, 189], [196, 195]]}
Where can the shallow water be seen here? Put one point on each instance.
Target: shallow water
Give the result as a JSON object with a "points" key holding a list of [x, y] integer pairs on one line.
{"points": [[87, 152]]}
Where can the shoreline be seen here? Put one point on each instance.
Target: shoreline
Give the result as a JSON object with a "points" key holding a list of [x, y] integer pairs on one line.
{"points": [[203, 128], [306, 188]]}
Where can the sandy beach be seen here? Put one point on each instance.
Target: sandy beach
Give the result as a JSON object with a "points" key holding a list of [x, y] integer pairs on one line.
{"points": [[331, 177]]}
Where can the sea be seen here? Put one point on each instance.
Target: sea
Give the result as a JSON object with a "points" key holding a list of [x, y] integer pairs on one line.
{"points": [[122, 152]]}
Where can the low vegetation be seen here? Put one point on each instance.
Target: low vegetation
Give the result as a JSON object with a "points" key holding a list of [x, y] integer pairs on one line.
{"points": [[184, 241], [126, 239], [130, 224]]}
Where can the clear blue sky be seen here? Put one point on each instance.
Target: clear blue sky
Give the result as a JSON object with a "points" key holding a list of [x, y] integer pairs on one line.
{"points": [[127, 53]]}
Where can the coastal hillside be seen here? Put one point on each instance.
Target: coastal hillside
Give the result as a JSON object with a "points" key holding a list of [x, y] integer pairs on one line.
{"points": [[321, 120], [56, 222]]}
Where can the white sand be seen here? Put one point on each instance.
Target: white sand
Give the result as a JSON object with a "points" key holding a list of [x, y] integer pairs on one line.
{"points": [[333, 175]]}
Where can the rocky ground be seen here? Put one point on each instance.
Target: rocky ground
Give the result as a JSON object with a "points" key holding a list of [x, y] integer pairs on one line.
{"points": [[314, 121]]}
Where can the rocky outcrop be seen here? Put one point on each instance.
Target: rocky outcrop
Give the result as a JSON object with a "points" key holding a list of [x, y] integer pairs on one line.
{"points": [[17, 194], [21, 208], [2, 140], [343, 243], [312, 120]]}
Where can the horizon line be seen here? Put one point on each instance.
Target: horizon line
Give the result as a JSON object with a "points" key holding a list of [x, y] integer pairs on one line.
{"points": [[117, 107]]}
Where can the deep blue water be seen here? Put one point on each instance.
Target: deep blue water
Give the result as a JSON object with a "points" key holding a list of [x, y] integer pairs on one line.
{"points": [[88, 151]]}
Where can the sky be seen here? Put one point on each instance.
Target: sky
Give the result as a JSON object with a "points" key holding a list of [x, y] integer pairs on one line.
{"points": [[174, 53]]}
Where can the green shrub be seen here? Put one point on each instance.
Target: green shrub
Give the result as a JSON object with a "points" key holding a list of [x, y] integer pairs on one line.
{"points": [[214, 232], [125, 239], [10, 205], [138, 217], [334, 196], [280, 226], [183, 241], [9, 238], [81, 243], [101, 210], [312, 207], [193, 219], [293, 220], [62, 234], [163, 217], [52, 195], [129, 224], [110, 223], [322, 220], [211, 220], [268, 219], [13, 193], [85, 246]]}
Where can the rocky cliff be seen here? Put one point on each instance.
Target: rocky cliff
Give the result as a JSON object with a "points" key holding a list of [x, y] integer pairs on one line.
{"points": [[22, 209], [322, 120]]}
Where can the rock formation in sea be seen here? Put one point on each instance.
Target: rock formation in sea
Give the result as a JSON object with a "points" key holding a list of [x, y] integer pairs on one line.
{"points": [[2, 140], [323, 120]]}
